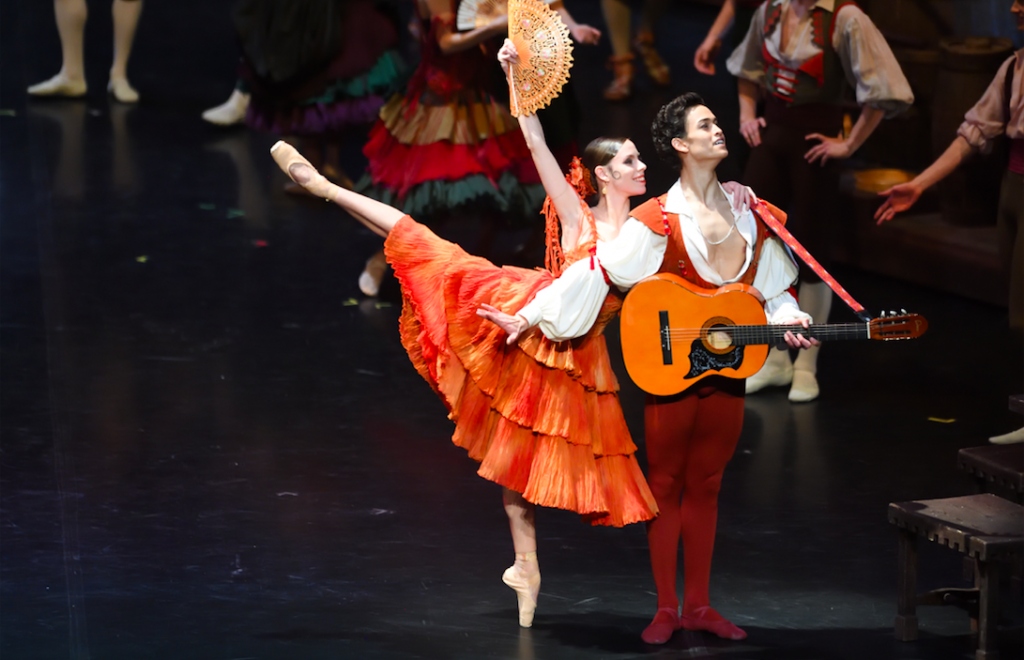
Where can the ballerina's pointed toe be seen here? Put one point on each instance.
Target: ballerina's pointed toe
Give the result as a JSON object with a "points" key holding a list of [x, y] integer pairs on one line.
{"points": [[527, 589]]}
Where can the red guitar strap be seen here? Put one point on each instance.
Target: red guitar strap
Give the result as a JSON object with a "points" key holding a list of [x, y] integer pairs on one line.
{"points": [[766, 216]]}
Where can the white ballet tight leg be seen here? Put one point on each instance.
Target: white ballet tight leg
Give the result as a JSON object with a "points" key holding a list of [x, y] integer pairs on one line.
{"points": [[70, 81], [71, 17], [126, 19], [125, 14]]}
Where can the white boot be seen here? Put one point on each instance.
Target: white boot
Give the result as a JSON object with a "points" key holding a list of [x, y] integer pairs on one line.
{"points": [[816, 300], [229, 112], [776, 372]]}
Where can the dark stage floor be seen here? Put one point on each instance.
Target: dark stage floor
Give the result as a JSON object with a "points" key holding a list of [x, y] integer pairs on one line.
{"points": [[215, 448]]}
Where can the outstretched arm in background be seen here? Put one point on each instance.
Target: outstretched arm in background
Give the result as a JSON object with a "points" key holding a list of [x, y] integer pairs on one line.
{"points": [[901, 197]]}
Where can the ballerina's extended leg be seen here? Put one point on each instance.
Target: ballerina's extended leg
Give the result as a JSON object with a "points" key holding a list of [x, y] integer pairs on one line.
{"points": [[379, 217]]}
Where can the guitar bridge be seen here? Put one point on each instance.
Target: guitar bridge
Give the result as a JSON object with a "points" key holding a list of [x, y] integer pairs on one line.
{"points": [[666, 337]]}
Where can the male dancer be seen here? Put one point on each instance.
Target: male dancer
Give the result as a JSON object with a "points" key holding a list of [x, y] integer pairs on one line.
{"points": [[800, 52], [1000, 111], [691, 436]]}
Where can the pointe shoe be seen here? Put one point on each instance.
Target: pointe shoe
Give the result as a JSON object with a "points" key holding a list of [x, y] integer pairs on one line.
{"points": [[1010, 438], [336, 177], [660, 629], [621, 87], [527, 590], [59, 85], [291, 161], [121, 90], [656, 67], [229, 112], [805, 387], [774, 373], [708, 620]]}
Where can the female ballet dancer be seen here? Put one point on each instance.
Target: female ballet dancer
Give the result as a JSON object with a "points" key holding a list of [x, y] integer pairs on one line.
{"points": [[448, 141], [532, 395]]}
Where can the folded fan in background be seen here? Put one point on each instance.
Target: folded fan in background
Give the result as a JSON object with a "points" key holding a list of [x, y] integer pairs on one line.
{"points": [[478, 13], [545, 55]]}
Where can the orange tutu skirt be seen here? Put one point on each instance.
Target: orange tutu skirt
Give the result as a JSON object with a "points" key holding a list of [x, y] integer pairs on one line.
{"points": [[542, 418]]}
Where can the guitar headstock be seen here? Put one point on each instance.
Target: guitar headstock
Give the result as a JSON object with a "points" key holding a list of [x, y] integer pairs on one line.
{"points": [[897, 326]]}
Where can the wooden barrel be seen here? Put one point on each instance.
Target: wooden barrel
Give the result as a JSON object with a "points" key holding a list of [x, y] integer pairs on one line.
{"points": [[970, 195]]}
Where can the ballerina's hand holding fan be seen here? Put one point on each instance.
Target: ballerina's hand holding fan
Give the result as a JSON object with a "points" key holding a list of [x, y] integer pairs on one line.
{"points": [[543, 55]]}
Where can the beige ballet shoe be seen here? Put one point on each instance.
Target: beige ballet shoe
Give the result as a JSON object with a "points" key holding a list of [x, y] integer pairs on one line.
{"points": [[368, 285], [59, 85], [300, 170], [805, 387], [776, 372], [121, 90], [1010, 438], [229, 112], [373, 274], [527, 589]]}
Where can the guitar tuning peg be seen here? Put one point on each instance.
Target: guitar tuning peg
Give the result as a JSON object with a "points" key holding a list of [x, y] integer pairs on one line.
{"points": [[903, 311], [892, 312], [883, 313]]}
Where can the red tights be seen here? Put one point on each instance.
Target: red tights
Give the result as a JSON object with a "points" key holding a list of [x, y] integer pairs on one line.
{"points": [[690, 438]]}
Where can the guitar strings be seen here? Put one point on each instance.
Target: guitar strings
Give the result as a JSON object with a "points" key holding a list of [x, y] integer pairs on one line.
{"points": [[759, 331]]}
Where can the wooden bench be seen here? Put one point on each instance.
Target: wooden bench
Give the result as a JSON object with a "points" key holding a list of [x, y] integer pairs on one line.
{"points": [[984, 527]]}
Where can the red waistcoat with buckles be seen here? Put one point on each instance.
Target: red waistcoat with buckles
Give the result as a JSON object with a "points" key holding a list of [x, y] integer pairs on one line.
{"points": [[819, 79], [677, 260]]}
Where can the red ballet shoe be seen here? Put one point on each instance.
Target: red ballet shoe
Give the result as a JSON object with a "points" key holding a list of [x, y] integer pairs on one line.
{"points": [[666, 622], [706, 619]]}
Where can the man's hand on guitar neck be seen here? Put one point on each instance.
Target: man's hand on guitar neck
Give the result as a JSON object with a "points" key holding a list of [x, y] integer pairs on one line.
{"points": [[797, 340]]}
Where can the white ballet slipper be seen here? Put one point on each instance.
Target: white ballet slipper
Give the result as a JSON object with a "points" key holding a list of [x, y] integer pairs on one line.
{"points": [[1013, 437], [121, 90], [229, 112], [369, 286], [59, 85]]}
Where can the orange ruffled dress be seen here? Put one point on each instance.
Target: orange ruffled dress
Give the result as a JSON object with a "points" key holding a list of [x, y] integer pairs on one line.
{"points": [[542, 418]]}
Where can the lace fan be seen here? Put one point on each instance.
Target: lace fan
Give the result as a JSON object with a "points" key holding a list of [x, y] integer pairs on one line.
{"points": [[545, 55], [478, 13]]}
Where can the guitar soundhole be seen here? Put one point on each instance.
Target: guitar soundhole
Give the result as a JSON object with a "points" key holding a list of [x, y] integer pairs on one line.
{"points": [[702, 360]]}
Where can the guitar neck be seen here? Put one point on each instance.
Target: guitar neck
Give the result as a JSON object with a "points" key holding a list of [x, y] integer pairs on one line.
{"points": [[744, 335]]}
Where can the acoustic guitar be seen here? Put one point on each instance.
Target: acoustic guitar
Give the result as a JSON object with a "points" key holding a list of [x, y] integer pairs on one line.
{"points": [[675, 333]]}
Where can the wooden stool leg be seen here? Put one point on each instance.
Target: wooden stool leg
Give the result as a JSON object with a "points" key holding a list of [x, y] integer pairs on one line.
{"points": [[988, 611], [906, 596]]}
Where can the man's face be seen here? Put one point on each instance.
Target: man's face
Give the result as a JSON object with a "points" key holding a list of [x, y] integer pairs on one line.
{"points": [[704, 139]]}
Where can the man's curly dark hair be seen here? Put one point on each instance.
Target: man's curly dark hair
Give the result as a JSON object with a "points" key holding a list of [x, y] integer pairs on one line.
{"points": [[671, 123]]}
